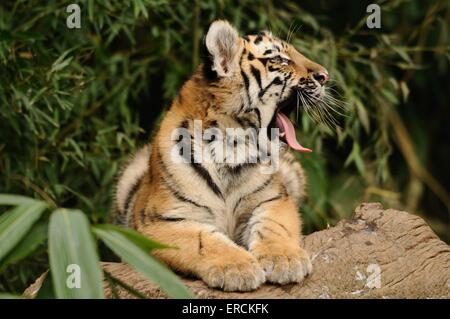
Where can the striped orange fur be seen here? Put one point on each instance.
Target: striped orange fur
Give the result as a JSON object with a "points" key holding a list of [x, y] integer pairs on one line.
{"points": [[235, 227]]}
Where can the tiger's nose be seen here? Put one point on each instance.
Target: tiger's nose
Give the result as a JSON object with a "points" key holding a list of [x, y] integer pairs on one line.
{"points": [[322, 77]]}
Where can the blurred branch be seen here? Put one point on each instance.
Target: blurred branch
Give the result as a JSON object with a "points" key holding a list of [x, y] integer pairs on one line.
{"points": [[29, 184]]}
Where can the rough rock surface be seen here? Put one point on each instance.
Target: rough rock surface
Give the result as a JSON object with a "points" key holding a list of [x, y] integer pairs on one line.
{"points": [[376, 254]]}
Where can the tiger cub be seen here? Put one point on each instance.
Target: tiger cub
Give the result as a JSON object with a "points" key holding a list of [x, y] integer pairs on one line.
{"points": [[235, 223]]}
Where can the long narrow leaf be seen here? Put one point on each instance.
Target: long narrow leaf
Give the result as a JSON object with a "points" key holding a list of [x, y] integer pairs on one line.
{"points": [[9, 296], [74, 261], [137, 238], [143, 262], [16, 224], [30, 242], [15, 200], [114, 282]]}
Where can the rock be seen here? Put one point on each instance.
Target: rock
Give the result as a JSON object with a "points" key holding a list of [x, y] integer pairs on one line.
{"points": [[376, 254]]}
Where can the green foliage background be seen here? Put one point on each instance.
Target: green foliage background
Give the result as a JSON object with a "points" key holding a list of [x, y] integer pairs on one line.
{"points": [[75, 103]]}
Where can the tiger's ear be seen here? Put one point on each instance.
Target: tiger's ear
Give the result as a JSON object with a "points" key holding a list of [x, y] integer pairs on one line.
{"points": [[222, 42]]}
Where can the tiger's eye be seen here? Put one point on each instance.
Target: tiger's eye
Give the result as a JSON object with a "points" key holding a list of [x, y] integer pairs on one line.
{"points": [[279, 60], [275, 59]]}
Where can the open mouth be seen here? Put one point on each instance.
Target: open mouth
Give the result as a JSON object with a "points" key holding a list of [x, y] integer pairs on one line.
{"points": [[283, 123]]}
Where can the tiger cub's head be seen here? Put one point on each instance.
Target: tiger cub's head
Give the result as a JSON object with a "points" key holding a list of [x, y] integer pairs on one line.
{"points": [[262, 74]]}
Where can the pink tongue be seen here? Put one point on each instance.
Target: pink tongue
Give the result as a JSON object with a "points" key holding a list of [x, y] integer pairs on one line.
{"points": [[285, 126]]}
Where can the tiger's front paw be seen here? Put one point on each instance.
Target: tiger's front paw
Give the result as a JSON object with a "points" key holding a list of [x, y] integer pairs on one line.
{"points": [[283, 265], [232, 275]]}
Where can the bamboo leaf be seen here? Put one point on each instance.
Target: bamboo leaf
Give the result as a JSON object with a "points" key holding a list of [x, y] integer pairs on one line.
{"points": [[71, 245], [144, 263], [113, 282], [142, 241], [16, 224], [15, 200], [9, 296], [363, 115], [405, 90], [31, 241]]}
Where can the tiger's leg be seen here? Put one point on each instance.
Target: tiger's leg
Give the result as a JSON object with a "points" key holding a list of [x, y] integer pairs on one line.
{"points": [[273, 238], [206, 253]]}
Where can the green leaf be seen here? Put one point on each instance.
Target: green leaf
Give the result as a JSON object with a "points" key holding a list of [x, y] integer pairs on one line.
{"points": [[355, 157], [15, 200], [91, 10], [389, 96], [144, 263], [140, 240], [403, 54], [60, 63], [32, 240], [140, 7], [405, 90], [71, 243], [113, 282], [363, 115], [9, 296], [17, 223]]}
